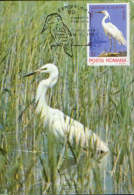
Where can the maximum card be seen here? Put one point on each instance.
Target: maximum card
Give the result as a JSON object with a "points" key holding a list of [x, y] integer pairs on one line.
{"points": [[108, 34]]}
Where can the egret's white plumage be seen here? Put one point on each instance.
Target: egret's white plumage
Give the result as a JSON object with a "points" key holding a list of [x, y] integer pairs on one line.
{"points": [[61, 125], [111, 30]]}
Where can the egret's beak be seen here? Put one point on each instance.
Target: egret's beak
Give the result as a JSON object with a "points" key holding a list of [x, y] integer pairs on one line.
{"points": [[31, 73], [99, 12]]}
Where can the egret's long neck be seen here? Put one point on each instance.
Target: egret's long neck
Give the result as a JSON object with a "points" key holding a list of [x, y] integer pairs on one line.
{"points": [[42, 106], [104, 20], [41, 97]]}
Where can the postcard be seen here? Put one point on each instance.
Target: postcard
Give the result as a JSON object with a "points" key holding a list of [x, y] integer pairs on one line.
{"points": [[66, 97]]}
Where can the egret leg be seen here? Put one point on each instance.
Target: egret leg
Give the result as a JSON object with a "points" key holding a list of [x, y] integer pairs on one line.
{"points": [[114, 45], [110, 44]]}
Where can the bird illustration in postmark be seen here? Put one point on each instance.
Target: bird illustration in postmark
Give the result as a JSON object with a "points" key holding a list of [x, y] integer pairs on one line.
{"points": [[60, 33]]}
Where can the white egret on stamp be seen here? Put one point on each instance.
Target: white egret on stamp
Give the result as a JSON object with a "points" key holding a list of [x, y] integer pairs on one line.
{"points": [[60, 125], [111, 30]]}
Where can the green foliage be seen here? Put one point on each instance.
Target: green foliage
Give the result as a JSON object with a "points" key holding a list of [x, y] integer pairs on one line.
{"points": [[31, 162]]}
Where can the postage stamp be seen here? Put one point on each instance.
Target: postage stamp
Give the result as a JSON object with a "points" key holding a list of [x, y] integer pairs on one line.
{"points": [[108, 34]]}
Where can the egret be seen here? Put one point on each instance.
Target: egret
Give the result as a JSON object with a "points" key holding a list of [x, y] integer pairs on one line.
{"points": [[60, 125], [111, 30]]}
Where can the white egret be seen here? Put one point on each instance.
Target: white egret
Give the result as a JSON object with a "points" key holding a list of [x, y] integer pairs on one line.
{"points": [[62, 126], [111, 30]]}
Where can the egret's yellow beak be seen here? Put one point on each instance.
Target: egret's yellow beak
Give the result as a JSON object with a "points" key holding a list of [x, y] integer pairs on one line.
{"points": [[100, 12]]}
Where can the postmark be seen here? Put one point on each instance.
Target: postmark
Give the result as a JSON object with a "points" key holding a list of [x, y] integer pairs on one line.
{"points": [[108, 34], [67, 28], [59, 31]]}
